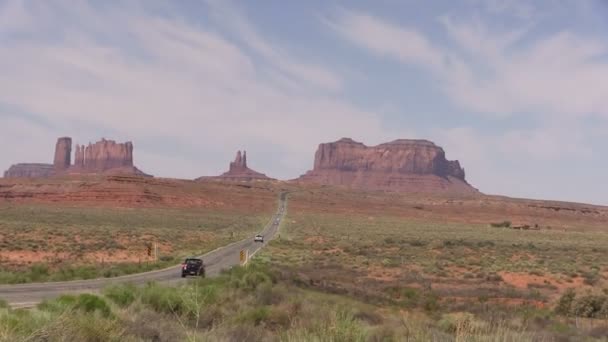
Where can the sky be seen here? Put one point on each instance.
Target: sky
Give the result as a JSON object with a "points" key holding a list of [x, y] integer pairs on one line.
{"points": [[517, 91]]}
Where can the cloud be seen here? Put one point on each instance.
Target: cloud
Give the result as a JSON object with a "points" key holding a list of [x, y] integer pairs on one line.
{"points": [[385, 39], [232, 18], [164, 80], [494, 72]]}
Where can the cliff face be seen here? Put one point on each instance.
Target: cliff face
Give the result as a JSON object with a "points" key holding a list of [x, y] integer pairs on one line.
{"points": [[31, 170], [238, 171], [401, 165], [104, 155]]}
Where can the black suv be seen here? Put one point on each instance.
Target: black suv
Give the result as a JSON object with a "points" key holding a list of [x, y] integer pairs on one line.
{"points": [[193, 266]]}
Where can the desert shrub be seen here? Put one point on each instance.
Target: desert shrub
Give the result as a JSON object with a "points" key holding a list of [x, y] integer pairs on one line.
{"points": [[382, 334], [564, 305], [389, 241], [38, 272], [60, 304], [591, 278], [78, 327], [123, 295], [494, 277], [253, 279], [148, 325], [590, 306], [278, 319], [267, 294], [90, 303], [254, 316], [430, 302], [369, 317], [485, 244], [86, 303], [418, 243], [162, 299], [503, 224]]}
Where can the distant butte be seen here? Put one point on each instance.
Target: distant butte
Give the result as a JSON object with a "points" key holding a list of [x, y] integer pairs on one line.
{"points": [[238, 171], [402, 165], [103, 157]]}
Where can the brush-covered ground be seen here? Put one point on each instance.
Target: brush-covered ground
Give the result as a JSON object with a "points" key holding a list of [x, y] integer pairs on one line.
{"points": [[264, 303], [355, 266], [421, 256], [82, 237]]}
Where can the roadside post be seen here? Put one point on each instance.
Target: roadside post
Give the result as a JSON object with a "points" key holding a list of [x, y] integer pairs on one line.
{"points": [[244, 256]]}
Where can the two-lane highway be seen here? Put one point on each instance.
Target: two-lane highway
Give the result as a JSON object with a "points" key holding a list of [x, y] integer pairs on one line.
{"points": [[27, 295]]}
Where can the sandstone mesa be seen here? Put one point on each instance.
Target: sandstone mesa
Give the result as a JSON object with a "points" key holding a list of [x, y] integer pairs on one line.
{"points": [[402, 165]]}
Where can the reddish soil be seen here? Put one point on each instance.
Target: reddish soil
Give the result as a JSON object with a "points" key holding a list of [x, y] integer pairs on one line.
{"points": [[134, 191]]}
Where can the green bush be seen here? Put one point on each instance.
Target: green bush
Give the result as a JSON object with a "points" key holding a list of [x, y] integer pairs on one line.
{"points": [[163, 299], [564, 305], [91, 303], [123, 295], [85, 302], [255, 316], [38, 272], [59, 304], [590, 306]]}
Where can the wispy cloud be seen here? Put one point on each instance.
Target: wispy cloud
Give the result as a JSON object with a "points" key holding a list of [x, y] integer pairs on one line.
{"points": [[491, 71], [232, 18]]}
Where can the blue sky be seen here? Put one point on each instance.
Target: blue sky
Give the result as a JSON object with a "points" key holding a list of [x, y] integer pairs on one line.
{"points": [[515, 90]]}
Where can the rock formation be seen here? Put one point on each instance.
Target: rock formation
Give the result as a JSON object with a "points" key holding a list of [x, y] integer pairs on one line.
{"points": [[79, 156], [401, 165], [63, 154], [103, 157], [30, 170], [239, 171]]}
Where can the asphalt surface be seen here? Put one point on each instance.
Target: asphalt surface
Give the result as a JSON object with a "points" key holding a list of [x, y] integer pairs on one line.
{"points": [[28, 295]]}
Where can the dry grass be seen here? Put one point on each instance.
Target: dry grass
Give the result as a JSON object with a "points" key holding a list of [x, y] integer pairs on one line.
{"points": [[345, 242], [40, 240]]}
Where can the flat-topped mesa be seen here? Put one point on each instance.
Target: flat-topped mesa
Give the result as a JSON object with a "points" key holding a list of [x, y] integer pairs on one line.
{"points": [[400, 165], [30, 170], [238, 171], [104, 155]]}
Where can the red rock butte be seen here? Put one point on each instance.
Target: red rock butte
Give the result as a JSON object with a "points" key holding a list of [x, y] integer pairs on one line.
{"points": [[103, 157], [402, 165], [238, 171]]}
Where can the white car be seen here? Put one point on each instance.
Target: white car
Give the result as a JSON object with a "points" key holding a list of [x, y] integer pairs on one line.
{"points": [[258, 238]]}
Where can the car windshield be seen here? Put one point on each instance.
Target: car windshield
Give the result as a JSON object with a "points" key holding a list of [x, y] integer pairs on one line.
{"points": [[193, 261]]}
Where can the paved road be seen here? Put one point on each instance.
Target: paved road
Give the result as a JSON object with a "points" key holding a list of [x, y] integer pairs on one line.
{"points": [[28, 295]]}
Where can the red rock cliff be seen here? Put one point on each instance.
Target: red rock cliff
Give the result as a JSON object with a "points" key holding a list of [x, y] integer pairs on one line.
{"points": [[401, 165], [104, 155]]}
